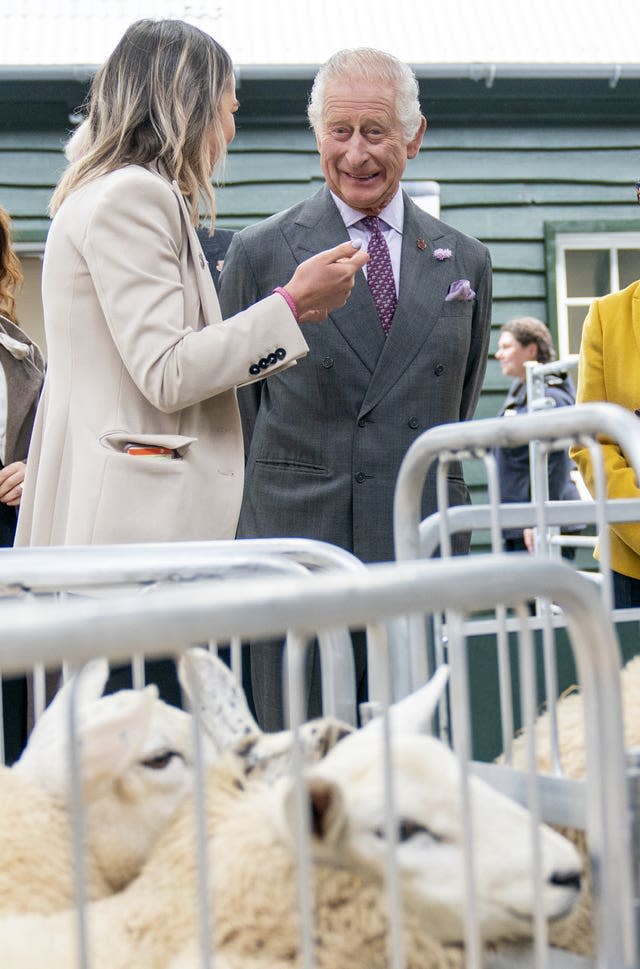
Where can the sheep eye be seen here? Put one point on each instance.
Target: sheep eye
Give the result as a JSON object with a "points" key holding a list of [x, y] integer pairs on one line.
{"points": [[407, 829], [160, 761]]}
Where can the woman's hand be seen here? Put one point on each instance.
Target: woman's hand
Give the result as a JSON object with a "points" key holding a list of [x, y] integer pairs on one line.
{"points": [[324, 282], [11, 479]]}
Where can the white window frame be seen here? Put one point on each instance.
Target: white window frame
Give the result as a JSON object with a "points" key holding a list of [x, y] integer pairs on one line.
{"points": [[614, 241]]}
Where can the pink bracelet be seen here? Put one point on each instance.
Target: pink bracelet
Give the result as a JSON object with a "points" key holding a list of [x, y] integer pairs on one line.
{"points": [[290, 301]]}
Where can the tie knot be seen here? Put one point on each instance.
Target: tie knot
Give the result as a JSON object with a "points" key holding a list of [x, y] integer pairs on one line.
{"points": [[371, 222]]}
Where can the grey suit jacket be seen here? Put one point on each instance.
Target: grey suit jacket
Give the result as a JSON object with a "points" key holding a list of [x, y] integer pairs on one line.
{"points": [[325, 440]]}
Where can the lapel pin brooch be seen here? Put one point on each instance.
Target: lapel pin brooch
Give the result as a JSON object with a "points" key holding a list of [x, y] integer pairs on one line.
{"points": [[442, 254], [421, 244]]}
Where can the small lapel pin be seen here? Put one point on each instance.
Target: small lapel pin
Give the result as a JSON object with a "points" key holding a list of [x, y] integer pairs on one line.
{"points": [[421, 244]]}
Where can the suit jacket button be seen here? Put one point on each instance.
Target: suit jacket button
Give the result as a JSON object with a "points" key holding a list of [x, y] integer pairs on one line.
{"points": [[413, 422], [281, 353], [327, 363], [438, 369], [272, 358], [263, 363], [254, 369], [360, 477], [361, 422]]}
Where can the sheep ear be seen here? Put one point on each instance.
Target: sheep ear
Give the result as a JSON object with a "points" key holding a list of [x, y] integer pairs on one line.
{"points": [[327, 815], [215, 693], [327, 809], [87, 685], [413, 713]]}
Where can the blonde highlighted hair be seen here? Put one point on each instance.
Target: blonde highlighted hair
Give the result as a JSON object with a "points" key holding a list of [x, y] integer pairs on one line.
{"points": [[10, 271], [156, 100]]}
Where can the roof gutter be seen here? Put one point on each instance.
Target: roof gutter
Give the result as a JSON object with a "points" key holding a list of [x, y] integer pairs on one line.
{"points": [[485, 72]]}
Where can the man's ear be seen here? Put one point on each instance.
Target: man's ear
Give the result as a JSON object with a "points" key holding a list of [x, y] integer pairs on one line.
{"points": [[414, 145]]}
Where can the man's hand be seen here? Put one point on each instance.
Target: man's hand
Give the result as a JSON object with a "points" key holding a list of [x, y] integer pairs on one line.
{"points": [[324, 282]]}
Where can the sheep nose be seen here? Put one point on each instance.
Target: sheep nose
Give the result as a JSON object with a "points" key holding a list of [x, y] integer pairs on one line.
{"points": [[567, 879]]}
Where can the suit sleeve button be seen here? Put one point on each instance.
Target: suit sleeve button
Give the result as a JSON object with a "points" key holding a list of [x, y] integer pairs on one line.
{"points": [[413, 422], [254, 369], [360, 477], [281, 353], [272, 358], [263, 363]]}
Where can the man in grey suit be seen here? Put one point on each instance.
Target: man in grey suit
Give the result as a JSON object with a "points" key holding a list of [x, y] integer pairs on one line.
{"points": [[326, 437]]}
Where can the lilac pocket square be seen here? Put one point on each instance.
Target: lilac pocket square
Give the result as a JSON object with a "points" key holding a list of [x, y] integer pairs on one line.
{"points": [[460, 289]]}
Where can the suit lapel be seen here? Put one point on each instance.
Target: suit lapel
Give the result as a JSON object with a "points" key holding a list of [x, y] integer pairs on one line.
{"points": [[424, 283], [319, 226]]}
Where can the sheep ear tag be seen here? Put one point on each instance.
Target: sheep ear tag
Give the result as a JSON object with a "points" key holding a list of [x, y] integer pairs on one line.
{"points": [[413, 713]]}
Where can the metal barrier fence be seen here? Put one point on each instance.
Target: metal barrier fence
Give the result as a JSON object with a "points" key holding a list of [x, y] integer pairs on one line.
{"points": [[35, 573], [165, 621]]}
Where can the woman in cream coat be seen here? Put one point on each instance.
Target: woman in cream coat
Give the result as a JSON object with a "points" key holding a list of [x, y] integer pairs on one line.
{"points": [[138, 353], [609, 370]]}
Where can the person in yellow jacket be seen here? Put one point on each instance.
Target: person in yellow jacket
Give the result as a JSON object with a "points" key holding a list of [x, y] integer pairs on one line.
{"points": [[609, 370]]}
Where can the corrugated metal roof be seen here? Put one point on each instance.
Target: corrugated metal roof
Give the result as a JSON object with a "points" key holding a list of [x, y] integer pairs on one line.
{"points": [[306, 32]]}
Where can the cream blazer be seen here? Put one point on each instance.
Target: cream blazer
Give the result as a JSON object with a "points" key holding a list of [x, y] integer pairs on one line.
{"points": [[138, 352], [609, 370]]}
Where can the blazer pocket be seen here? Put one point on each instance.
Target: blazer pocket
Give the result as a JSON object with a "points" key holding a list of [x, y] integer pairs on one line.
{"points": [[117, 440]]}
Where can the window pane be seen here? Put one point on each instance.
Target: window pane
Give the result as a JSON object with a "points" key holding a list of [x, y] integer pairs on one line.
{"points": [[628, 266], [587, 272], [576, 317]]}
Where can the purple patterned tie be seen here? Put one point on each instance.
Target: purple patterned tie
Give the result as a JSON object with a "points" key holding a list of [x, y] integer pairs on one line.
{"points": [[380, 273]]}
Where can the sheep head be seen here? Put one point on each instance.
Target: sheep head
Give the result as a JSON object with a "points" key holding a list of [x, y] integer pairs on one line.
{"points": [[136, 762], [347, 798]]}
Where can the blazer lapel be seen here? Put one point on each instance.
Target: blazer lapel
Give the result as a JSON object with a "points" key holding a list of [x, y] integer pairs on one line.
{"points": [[206, 288], [424, 283], [319, 226]]}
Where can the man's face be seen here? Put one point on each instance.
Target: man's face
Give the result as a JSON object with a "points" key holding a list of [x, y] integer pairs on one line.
{"points": [[362, 148]]}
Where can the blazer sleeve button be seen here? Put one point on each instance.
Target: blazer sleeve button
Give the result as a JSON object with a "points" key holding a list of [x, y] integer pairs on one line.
{"points": [[254, 369], [263, 363], [272, 358], [281, 353]]}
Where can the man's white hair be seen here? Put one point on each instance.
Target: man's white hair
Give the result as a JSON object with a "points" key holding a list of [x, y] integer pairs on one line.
{"points": [[368, 64]]}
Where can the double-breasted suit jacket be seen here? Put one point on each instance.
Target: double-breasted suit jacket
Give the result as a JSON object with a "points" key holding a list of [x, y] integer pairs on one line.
{"points": [[138, 353], [326, 439]]}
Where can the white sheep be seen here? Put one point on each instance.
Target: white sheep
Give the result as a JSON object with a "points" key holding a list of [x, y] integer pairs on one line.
{"points": [[152, 924], [576, 932], [137, 765]]}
